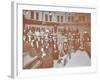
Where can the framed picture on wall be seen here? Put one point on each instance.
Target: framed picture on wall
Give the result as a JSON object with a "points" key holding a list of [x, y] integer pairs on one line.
{"points": [[52, 40]]}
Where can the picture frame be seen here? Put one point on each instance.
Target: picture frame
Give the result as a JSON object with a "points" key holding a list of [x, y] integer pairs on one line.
{"points": [[18, 9]]}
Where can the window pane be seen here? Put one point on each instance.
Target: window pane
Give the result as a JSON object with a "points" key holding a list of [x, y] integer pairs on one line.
{"points": [[37, 16], [50, 17], [46, 17], [57, 18], [80, 18], [83, 18], [61, 18], [72, 18], [32, 14], [68, 18]]}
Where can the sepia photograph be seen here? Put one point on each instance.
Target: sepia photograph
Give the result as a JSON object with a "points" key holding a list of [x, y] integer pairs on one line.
{"points": [[53, 40], [56, 39]]}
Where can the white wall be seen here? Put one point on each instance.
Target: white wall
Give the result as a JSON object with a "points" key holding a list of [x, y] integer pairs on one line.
{"points": [[5, 38]]}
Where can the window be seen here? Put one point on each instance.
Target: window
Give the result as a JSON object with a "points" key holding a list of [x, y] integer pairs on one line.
{"points": [[32, 14], [37, 16], [72, 18], [46, 17], [68, 18], [61, 18], [57, 18], [83, 18], [80, 18], [50, 17]]}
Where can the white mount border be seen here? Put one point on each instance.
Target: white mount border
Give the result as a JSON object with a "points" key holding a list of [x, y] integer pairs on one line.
{"points": [[17, 24]]}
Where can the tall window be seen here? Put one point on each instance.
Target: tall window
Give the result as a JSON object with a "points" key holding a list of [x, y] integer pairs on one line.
{"points": [[61, 18], [32, 14], [83, 18], [46, 17], [57, 18], [68, 18], [80, 18], [50, 17], [72, 18], [37, 16]]}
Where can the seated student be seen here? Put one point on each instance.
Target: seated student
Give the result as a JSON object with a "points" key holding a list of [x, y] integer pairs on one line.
{"points": [[28, 48], [47, 59], [62, 61]]}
